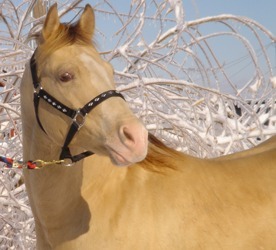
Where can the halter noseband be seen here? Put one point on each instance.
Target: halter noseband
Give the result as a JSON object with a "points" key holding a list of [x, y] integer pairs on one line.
{"points": [[77, 116]]}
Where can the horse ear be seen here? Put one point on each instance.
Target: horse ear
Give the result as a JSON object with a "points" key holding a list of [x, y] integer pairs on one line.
{"points": [[51, 23], [86, 23]]}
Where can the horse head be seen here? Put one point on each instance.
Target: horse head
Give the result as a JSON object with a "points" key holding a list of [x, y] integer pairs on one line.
{"points": [[69, 67]]}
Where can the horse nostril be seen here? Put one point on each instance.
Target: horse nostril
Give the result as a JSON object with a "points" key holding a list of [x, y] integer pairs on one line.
{"points": [[133, 135], [128, 136]]}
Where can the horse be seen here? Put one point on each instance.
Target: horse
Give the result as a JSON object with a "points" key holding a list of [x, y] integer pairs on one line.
{"points": [[120, 188]]}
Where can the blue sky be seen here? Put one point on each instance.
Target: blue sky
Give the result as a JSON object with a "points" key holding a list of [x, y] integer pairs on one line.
{"points": [[262, 11]]}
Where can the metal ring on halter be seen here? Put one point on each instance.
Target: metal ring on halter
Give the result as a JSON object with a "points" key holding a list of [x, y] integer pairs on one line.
{"points": [[37, 89], [79, 118], [67, 162]]}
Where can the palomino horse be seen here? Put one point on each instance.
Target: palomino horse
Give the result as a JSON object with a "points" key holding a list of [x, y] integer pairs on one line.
{"points": [[167, 201]]}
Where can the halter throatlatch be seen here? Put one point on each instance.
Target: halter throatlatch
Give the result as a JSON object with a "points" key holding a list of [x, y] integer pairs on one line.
{"points": [[77, 116]]}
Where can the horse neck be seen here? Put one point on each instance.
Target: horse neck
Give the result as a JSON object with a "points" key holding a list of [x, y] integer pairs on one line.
{"points": [[36, 144]]}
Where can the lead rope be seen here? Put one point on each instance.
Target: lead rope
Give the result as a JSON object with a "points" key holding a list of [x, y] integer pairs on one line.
{"points": [[37, 164]]}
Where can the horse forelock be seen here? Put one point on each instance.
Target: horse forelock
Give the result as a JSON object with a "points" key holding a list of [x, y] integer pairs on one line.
{"points": [[66, 35]]}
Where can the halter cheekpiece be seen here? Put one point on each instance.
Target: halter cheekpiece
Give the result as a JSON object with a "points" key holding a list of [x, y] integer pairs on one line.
{"points": [[78, 116]]}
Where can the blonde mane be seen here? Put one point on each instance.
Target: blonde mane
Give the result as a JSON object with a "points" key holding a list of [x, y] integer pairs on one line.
{"points": [[161, 158]]}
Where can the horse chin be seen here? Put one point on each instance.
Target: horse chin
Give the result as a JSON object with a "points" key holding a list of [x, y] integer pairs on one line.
{"points": [[120, 161], [124, 159]]}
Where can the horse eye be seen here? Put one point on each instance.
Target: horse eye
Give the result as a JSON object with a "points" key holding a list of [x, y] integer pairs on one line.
{"points": [[66, 77]]}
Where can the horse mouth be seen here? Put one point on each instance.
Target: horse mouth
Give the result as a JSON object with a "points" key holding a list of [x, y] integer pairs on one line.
{"points": [[117, 158], [123, 159]]}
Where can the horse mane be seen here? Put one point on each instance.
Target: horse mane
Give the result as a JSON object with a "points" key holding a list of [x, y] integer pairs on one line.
{"points": [[161, 158], [66, 35]]}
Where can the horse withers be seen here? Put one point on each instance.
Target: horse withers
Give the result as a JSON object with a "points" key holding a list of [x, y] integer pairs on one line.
{"points": [[158, 199]]}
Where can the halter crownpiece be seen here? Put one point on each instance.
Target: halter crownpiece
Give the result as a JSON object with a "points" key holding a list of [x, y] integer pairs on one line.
{"points": [[78, 116]]}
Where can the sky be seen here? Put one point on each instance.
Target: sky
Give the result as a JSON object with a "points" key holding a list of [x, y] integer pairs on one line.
{"points": [[263, 11]]}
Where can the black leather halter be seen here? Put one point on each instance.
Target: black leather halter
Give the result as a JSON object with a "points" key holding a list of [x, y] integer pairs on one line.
{"points": [[77, 116]]}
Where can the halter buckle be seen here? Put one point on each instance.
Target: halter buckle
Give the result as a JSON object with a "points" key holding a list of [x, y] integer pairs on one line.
{"points": [[79, 119]]}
